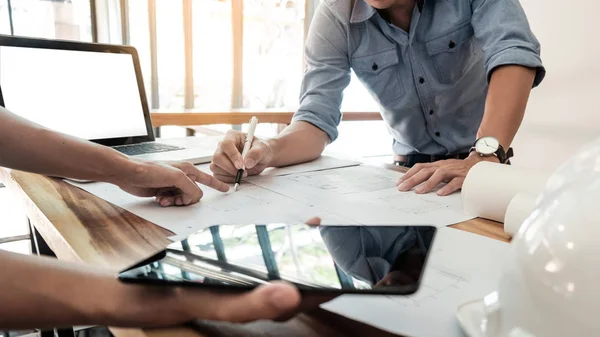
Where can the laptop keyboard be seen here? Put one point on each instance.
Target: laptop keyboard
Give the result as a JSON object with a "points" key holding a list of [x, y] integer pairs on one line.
{"points": [[145, 148]]}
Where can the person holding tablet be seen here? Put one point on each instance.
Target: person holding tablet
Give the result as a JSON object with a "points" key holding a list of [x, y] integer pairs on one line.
{"points": [[39, 292]]}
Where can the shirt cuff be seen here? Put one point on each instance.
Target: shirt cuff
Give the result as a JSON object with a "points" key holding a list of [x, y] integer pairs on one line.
{"points": [[517, 56], [309, 117]]}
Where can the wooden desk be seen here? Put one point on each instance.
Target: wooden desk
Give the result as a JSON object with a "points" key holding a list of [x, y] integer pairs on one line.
{"points": [[193, 118], [78, 226]]}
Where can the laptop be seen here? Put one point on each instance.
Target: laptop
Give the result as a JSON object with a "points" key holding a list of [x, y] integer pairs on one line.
{"points": [[87, 90]]}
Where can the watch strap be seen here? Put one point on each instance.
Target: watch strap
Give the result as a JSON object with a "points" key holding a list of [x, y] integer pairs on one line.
{"points": [[504, 156]]}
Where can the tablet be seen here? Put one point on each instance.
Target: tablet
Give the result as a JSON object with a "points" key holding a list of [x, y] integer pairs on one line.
{"points": [[324, 259]]}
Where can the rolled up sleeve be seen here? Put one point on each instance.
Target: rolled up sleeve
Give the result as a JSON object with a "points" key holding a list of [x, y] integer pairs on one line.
{"points": [[327, 73], [502, 28]]}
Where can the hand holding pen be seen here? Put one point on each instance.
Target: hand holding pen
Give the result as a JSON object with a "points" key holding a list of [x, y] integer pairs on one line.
{"points": [[228, 159], [247, 145]]}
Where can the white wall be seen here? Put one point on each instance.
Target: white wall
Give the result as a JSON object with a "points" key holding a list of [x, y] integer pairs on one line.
{"points": [[564, 111]]}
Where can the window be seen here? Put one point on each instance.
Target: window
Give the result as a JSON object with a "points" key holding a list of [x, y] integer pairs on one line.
{"points": [[213, 55], [273, 49], [4, 18], [357, 98], [170, 54], [69, 20], [139, 37], [13, 222], [273, 33], [108, 21], [244, 54], [361, 139]]}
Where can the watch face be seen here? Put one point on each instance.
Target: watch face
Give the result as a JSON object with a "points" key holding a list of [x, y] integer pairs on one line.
{"points": [[487, 145]]}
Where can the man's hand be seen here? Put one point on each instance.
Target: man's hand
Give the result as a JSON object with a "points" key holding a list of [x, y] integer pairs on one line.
{"points": [[228, 158], [429, 175], [273, 301], [67, 294], [171, 184], [276, 301]]}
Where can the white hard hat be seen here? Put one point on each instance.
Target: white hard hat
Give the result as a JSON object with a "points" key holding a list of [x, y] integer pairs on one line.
{"points": [[551, 283]]}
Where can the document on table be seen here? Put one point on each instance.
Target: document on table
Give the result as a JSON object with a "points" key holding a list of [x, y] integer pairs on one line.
{"points": [[367, 195], [350, 195], [319, 164], [463, 267], [250, 205]]}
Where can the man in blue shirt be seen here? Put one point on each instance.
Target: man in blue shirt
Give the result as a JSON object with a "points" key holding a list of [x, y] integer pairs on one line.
{"points": [[445, 74]]}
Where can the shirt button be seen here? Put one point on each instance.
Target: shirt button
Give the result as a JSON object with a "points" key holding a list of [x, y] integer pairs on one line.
{"points": [[451, 45], [431, 112], [421, 80], [374, 66], [437, 134]]}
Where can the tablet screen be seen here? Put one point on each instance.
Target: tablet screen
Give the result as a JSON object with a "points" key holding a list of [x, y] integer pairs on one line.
{"points": [[347, 259]]}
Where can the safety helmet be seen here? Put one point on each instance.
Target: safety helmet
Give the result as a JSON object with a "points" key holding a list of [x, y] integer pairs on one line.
{"points": [[551, 283]]}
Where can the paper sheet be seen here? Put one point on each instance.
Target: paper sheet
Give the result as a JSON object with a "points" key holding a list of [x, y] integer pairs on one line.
{"points": [[489, 188], [462, 267], [368, 196], [346, 196], [250, 204], [519, 209], [319, 164]]}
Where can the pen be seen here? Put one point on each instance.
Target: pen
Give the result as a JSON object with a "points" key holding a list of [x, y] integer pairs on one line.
{"points": [[249, 138]]}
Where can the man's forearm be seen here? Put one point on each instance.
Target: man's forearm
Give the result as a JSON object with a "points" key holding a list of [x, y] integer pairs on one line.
{"points": [[298, 143], [44, 293], [506, 101], [30, 147]]}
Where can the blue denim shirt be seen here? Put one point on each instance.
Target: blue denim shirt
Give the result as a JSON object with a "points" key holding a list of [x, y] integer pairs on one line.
{"points": [[431, 83]]}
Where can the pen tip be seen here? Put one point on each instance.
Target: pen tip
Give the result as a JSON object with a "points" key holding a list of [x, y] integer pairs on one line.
{"points": [[235, 187]]}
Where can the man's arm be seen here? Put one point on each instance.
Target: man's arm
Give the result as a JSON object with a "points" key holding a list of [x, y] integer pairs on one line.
{"points": [[315, 123], [298, 143], [513, 67], [504, 110], [505, 104], [29, 147], [39, 292]]}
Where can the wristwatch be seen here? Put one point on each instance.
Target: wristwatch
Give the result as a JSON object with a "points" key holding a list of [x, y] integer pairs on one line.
{"points": [[490, 146]]}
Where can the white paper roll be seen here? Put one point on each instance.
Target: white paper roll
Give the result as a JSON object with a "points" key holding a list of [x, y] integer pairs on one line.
{"points": [[489, 188], [519, 209]]}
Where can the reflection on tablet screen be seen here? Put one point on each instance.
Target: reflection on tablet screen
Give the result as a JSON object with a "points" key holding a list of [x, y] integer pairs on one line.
{"points": [[355, 259]]}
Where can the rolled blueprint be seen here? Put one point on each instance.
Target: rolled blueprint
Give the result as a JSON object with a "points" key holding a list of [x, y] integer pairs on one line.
{"points": [[519, 209], [489, 188]]}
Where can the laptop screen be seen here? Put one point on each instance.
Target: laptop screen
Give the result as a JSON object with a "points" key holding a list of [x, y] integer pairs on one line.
{"points": [[91, 95]]}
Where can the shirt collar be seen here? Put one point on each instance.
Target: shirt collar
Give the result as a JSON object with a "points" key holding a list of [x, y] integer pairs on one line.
{"points": [[362, 11]]}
